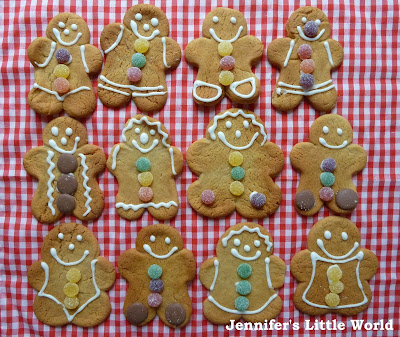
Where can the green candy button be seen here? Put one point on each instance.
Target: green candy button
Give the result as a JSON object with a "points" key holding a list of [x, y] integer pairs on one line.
{"points": [[237, 173], [243, 287], [244, 270], [154, 271], [327, 179], [138, 60], [241, 303], [143, 164]]}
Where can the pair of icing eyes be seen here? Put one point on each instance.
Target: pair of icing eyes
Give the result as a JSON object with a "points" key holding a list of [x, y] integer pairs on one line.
{"points": [[68, 132], [216, 19], [66, 32], [304, 20], [328, 235], [61, 237], [325, 130], [167, 239], [154, 21], [152, 131], [228, 124], [257, 244]]}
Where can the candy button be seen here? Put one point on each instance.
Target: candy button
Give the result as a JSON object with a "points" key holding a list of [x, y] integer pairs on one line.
{"points": [[61, 70], [307, 81], [67, 184], [154, 300], [226, 77], [244, 270], [65, 203], [141, 45], [241, 303], [154, 271], [134, 74], [62, 55], [332, 300], [207, 197], [307, 66], [67, 163], [328, 165], [334, 273], [235, 158], [73, 275], [71, 302], [71, 289], [237, 173], [136, 313], [304, 200], [304, 51], [61, 85], [347, 199], [326, 194], [327, 179], [227, 63], [138, 60], [143, 164], [257, 200], [145, 194], [225, 48], [156, 286], [243, 287], [236, 188], [311, 29], [175, 314], [145, 178], [336, 287]]}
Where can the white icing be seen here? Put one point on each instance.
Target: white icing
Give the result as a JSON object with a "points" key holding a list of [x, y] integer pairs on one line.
{"points": [[154, 22], [71, 246], [304, 37], [215, 19], [339, 131], [139, 122], [236, 254], [250, 230], [267, 261], [85, 185], [328, 51], [289, 53], [79, 237], [131, 87], [60, 236], [165, 52], [216, 265], [54, 145], [146, 27], [60, 40], [216, 38], [68, 131], [233, 20], [50, 189], [117, 41], [138, 16], [257, 243], [344, 236], [113, 90], [137, 131], [236, 242], [234, 85], [138, 147], [148, 38], [54, 131], [221, 136], [246, 124], [318, 22], [328, 235], [66, 32], [144, 138], [199, 83], [61, 24], [304, 19], [64, 141], [320, 244], [228, 124], [315, 89], [148, 250], [82, 49], [167, 240], [316, 86], [325, 129], [53, 253], [51, 53], [152, 238], [69, 60], [74, 26], [238, 134], [149, 204], [324, 143], [114, 157], [67, 314], [152, 132], [55, 93], [246, 248], [171, 153]]}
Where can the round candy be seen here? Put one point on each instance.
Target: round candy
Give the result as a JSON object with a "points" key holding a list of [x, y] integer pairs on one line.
{"points": [[244, 270], [237, 173], [304, 51], [71, 302], [65, 203], [73, 275], [326, 194], [207, 197], [145, 194], [307, 81], [227, 63], [138, 60], [67, 163], [145, 178], [175, 314], [327, 178], [307, 66], [156, 286], [154, 300], [243, 287], [241, 303], [336, 287], [141, 45], [235, 158], [347, 199], [62, 55], [61, 85], [154, 271], [134, 74], [143, 164], [334, 273], [61, 70], [328, 165], [67, 184], [71, 289], [136, 313], [258, 200], [236, 188], [225, 48], [311, 29], [304, 200], [332, 300], [226, 77]]}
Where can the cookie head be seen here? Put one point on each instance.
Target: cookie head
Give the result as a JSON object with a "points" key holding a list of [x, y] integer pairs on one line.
{"points": [[309, 24], [70, 244], [237, 129], [334, 238], [64, 135], [331, 131], [224, 24], [147, 21], [68, 29], [160, 241]]}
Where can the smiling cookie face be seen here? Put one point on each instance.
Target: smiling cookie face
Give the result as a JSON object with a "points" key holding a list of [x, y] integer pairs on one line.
{"points": [[68, 29]]}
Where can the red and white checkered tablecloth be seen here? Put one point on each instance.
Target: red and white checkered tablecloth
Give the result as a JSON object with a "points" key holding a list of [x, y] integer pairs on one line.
{"points": [[368, 97]]}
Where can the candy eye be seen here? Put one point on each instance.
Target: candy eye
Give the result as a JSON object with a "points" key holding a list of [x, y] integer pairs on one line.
{"points": [[339, 131], [257, 243], [228, 124], [64, 141], [215, 19], [233, 20], [246, 124], [154, 22], [327, 235], [137, 131], [318, 22], [60, 236], [246, 248], [344, 236], [167, 240], [61, 24], [79, 238], [325, 129], [54, 131], [74, 26], [304, 19], [152, 238], [152, 132], [138, 16], [68, 131], [236, 242]]}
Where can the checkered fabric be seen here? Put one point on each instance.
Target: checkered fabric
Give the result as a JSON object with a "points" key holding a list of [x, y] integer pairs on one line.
{"points": [[368, 98]]}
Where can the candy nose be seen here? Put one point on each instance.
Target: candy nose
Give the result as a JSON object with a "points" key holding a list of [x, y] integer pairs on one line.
{"points": [[311, 29]]}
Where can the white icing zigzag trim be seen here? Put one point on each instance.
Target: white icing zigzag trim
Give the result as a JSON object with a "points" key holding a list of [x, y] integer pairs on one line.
{"points": [[50, 189], [55, 93], [250, 230], [85, 185], [149, 204], [140, 121]]}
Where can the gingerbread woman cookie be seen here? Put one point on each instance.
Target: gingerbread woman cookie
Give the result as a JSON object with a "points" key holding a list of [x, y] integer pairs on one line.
{"points": [[224, 57], [333, 272], [242, 278], [138, 53], [326, 167], [71, 278], [146, 166], [63, 62], [66, 167], [305, 59], [157, 272], [235, 164]]}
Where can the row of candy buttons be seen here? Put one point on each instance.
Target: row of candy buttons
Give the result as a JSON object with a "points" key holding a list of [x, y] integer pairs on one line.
{"points": [[67, 183], [227, 63], [334, 274], [327, 179], [156, 286], [237, 173], [307, 66], [61, 71], [243, 287], [71, 289], [145, 178], [138, 60]]}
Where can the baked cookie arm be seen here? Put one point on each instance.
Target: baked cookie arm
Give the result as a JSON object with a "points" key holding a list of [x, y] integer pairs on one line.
{"points": [[368, 265], [196, 157], [277, 51], [277, 270], [301, 266], [91, 56], [253, 49], [95, 158], [195, 51], [300, 154], [40, 51], [35, 161], [207, 272], [178, 160], [336, 51], [105, 273], [36, 276], [109, 36], [356, 158], [172, 52], [274, 159], [129, 262]]}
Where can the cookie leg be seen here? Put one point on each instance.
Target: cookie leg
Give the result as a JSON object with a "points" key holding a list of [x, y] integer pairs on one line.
{"points": [[151, 103], [130, 214], [175, 314], [44, 103], [271, 311], [346, 201], [80, 104], [139, 314], [259, 204], [216, 315], [245, 91], [100, 306], [113, 97], [325, 101], [307, 202], [163, 213], [285, 102], [304, 307], [207, 90], [49, 312]]}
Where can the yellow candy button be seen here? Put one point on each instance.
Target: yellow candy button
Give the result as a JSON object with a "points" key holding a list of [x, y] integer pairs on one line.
{"points": [[61, 70], [71, 289], [336, 287], [225, 48], [141, 45], [73, 275], [332, 300], [71, 302], [145, 179], [334, 273], [236, 188], [235, 158], [226, 77]]}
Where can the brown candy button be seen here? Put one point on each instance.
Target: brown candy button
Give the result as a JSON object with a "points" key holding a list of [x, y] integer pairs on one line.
{"points": [[304, 200], [175, 314], [66, 203], [136, 313], [67, 163], [67, 184], [347, 199]]}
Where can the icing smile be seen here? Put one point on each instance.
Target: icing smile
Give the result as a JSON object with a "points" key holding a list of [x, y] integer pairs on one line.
{"points": [[221, 136], [153, 145], [236, 254], [324, 143], [304, 37], [216, 38], [320, 244], [54, 145], [59, 39], [148, 38], [53, 253], [147, 248]]}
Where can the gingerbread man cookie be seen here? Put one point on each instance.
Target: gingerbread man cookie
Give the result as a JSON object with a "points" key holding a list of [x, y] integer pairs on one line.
{"points": [[63, 62], [326, 167], [305, 59], [138, 53], [224, 57], [146, 166], [242, 278], [157, 272], [235, 164], [333, 272], [66, 167], [71, 278]]}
